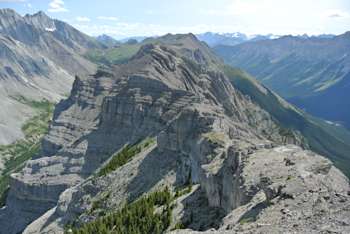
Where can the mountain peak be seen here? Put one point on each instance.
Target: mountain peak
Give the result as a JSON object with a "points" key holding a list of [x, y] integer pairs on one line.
{"points": [[7, 12], [180, 36], [40, 15], [104, 36], [347, 34]]}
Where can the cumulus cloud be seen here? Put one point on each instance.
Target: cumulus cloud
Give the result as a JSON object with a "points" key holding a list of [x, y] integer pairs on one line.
{"points": [[82, 19], [57, 6], [110, 18]]}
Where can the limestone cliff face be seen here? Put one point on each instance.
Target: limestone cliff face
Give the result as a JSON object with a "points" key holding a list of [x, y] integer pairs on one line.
{"points": [[207, 132], [284, 189]]}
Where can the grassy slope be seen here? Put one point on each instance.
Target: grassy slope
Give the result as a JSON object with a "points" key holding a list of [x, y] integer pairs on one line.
{"points": [[323, 138], [115, 55], [22, 150]]}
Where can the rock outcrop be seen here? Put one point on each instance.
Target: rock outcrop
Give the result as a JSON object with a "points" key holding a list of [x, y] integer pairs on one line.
{"points": [[288, 190], [207, 133]]}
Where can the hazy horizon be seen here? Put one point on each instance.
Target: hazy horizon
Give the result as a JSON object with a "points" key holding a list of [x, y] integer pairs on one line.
{"points": [[156, 17]]}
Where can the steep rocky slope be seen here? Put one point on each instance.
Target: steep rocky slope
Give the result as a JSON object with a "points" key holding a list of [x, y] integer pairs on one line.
{"points": [[204, 132], [324, 138], [39, 59], [24, 72], [305, 71]]}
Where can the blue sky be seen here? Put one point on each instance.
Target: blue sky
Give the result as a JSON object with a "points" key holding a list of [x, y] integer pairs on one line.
{"points": [[124, 18]]}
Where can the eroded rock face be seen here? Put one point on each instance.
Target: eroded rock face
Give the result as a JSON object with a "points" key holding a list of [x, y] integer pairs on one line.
{"points": [[303, 192], [206, 131], [286, 190]]}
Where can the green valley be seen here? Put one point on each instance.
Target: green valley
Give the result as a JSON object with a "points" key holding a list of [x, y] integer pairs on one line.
{"points": [[17, 153]]}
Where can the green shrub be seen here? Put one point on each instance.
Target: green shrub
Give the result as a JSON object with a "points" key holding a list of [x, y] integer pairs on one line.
{"points": [[183, 190], [179, 225], [246, 220], [138, 217], [124, 156]]}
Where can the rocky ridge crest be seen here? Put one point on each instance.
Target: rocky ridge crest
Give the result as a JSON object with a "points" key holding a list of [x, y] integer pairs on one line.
{"points": [[206, 132]]}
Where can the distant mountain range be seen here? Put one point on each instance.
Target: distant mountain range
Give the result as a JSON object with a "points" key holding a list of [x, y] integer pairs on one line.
{"points": [[107, 40], [39, 58], [231, 39], [110, 41], [211, 38], [214, 39], [137, 38], [311, 72]]}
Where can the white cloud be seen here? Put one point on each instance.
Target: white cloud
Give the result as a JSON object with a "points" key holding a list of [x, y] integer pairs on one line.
{"points": [[282, 17], [238, 7], [246, 16], [110, 18], [336, 13], [82, 19], [57, 6], [127, 29]]}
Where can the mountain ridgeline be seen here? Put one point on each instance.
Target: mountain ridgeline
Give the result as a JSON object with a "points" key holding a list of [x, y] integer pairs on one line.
{"points": [[108, 41], [163, 137], [200, 138], [39, 59], [313, 72], [231, 39]]}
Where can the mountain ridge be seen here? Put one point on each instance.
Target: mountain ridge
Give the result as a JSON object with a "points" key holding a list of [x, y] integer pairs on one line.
{"points": [[39, 59], [206, 132], [232, 39], [305, 71], [164, 137]]}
